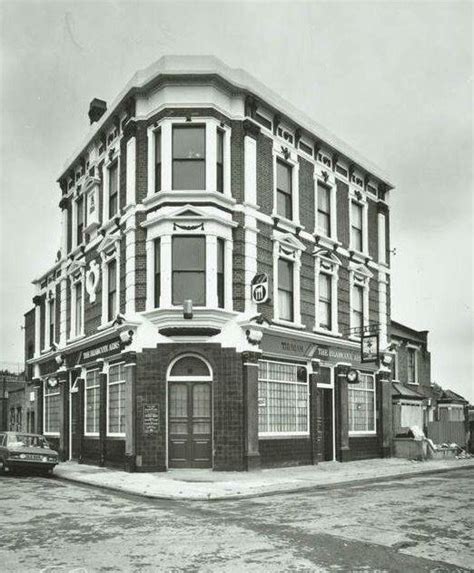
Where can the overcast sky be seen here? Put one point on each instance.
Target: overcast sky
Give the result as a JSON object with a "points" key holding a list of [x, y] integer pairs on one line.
{"points": [[391, 79]]}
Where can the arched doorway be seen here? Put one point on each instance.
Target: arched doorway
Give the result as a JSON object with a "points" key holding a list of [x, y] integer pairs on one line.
{"points": [[189, 413]]}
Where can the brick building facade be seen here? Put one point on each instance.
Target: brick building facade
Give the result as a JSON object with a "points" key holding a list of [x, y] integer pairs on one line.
{"points": [[199, 184]]}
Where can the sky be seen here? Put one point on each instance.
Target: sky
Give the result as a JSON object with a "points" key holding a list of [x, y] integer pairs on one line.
{"points": [[392, 79]]}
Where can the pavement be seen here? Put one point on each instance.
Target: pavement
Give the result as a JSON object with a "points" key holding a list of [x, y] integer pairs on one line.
{"points": [[207, 485]]}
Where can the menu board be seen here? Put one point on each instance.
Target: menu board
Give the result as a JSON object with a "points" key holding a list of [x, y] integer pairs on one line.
{"points": [[151, 418]]}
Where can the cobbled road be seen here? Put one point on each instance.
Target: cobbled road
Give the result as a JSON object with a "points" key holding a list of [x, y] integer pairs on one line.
{"points": [[424, 523]]}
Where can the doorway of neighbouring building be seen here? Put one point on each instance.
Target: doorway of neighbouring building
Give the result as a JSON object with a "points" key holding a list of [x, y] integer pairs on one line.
{"points": [[189, 414], [327, 424]]}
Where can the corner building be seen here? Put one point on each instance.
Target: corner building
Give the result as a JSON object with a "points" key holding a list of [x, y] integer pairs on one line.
{"points": [[194, 181]]}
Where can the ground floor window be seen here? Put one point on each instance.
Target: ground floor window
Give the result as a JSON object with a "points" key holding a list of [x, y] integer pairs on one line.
{"points": [[411, 415], [116, 400], [92, 398], [362, 405], [283, 398], [51, 410]]}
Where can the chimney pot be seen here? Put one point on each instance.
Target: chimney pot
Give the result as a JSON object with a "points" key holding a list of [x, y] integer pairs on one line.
{"points": [[97, 108]]}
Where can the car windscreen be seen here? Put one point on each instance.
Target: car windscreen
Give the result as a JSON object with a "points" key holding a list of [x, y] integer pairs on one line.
{"points": [[26, 441]]}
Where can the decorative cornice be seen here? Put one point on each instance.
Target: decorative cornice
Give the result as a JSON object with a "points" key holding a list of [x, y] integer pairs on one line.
{"points": [[64, 203], [250, 128], [130, 128]]}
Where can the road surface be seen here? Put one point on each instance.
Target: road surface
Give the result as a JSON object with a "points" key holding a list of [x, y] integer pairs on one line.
{"points": [[424, 523]]}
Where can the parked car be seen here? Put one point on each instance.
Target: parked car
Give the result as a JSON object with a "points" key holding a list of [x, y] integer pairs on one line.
{"points": [[19, 450]]}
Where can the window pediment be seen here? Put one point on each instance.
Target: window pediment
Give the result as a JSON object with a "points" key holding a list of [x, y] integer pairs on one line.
{"points": [[328, 256], [289, 242]]}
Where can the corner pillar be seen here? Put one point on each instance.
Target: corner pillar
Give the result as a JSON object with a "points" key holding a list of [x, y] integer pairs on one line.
{"points": [[342, 414], [130, 415], [385, 389], [250, 377]]}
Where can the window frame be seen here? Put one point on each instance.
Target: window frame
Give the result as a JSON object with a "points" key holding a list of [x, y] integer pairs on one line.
{"points": [[80, 219], [157, 272], [49, 392], [220, 160], [286, 434], [291, 265], [356, 387], [286, 246], [158, 162], [112, 294], [123, 383], [86, 400], [220, 279], [184, 126], [412, 351], [354, 247], [113, 166], [173, 271], [280, 191], [328, 189]]}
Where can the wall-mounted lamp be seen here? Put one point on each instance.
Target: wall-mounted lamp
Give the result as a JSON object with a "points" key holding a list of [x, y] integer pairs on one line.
{"points": [[188, 309]]}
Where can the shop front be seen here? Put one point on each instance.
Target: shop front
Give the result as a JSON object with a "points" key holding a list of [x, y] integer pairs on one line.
{"points": [[310, 410]]}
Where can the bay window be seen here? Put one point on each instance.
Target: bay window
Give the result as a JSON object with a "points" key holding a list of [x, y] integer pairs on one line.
{"points": [[157, 271], [285, 290], [52, 401], [220, 272], [356, 226], [116, 400], [361, 399], [189, 270], [189, 157], [283, 399], [324, 210], [111, 289], [113, 189], [220, 161], [92, 402], [157, 160], [284, 195]]}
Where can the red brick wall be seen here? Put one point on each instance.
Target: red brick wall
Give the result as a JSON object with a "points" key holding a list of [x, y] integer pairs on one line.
{"points": [[265, 174]]}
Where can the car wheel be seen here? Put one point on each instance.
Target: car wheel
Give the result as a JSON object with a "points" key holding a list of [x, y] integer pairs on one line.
{"points": [[4, 469]]}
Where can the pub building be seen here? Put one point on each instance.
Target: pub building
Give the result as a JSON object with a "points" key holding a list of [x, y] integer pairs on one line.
{"points": [[221, 255]]}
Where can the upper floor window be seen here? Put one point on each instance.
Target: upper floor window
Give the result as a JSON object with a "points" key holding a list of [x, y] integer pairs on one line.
{"points": [[220, 272], [325, 301], [80, 220], [189, 157], [189, 270], [324, 210], [285, 290], [411, 369], [356, 226], [157, 271], [113, 189], [158, 160], [78, 308], [357, 307], [52, 308], [111, 289], [220, 161], [284, 190]]}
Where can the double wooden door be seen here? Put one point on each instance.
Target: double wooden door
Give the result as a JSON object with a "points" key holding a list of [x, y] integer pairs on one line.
{"points": [[189, 425]]}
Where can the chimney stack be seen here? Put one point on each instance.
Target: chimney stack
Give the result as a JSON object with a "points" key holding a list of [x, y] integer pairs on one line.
{"points": [[97, 108]]}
